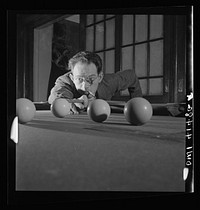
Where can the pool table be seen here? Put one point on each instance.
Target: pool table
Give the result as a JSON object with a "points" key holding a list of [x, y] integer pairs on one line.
{"points": [[76, 154]]}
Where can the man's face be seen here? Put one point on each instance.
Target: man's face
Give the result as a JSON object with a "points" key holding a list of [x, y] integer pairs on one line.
{"points": [[85, 77]]}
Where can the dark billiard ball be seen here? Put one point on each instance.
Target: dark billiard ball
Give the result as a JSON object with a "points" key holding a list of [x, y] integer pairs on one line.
{"points": [[98, 110], [25, 110], [138, 111], [60, 107]]}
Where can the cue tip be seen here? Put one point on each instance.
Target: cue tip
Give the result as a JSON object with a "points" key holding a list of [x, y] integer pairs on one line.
{"points": [[14, 130]]}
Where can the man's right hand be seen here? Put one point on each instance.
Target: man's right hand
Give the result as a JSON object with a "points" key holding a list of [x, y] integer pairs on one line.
{"points": [[76, 107], [73, 109]]}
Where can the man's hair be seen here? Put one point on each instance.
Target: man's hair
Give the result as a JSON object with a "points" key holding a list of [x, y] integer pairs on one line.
{"points": [[86, 57]]}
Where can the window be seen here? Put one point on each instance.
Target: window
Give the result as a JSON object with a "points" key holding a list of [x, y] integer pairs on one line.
{"points": [[100, 38], [142, 42], [142, 50]]}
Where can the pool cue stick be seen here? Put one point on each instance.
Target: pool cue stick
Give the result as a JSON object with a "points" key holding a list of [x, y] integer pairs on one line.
{"points": [[116, 103], [111, 103], [172, 108]]}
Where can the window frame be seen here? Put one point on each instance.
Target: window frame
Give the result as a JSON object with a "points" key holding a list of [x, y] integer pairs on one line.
{"points": [[168, 52], [104, 50]]}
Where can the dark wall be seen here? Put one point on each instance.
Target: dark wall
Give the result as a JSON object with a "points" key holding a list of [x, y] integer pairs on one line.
{"points": [[65, 44], [25, 24]]}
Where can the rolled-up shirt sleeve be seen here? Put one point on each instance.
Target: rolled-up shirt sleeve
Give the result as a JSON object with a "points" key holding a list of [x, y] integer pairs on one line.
{"points": [[59, 92], [62, 89], [127, 79], [122, 80]]}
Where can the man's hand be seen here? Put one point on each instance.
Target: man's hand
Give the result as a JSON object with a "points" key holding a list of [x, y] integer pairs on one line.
{"points": [[91, 97], [76, 107], [84, 104], [73, 109]]}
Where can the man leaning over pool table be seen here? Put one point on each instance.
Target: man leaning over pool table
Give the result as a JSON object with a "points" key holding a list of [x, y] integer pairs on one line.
{"points": [[86, 81]]}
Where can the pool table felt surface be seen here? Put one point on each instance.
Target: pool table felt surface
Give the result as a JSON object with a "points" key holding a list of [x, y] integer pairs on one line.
{"points": [[75, 153]]}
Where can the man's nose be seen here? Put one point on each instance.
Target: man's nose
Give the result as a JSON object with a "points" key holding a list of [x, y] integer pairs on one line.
{"points": [[85, 85]]}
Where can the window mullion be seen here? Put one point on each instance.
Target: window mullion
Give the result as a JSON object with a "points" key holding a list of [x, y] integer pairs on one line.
{"points": [[148, 53], [118, 42]]}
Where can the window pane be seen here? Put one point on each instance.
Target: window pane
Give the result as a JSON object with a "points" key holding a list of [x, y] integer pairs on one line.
{"points": [[156, 58], [90, 19], [102, 58], [140, 28], [110, 62], [143, 84], [127, 58], [99, 17], [110, 33], [99, 36], [156, 26], [156, 86], [127, 33], [89, 38], [141, 60]]}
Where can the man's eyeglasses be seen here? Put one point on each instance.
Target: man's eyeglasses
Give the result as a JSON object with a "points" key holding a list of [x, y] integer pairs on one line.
{"points": [[89, 80]]}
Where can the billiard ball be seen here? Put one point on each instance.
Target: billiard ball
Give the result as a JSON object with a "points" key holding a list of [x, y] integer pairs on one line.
{"points": [[60, 107], [138, 111], [98, 110], [25, 110]]}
